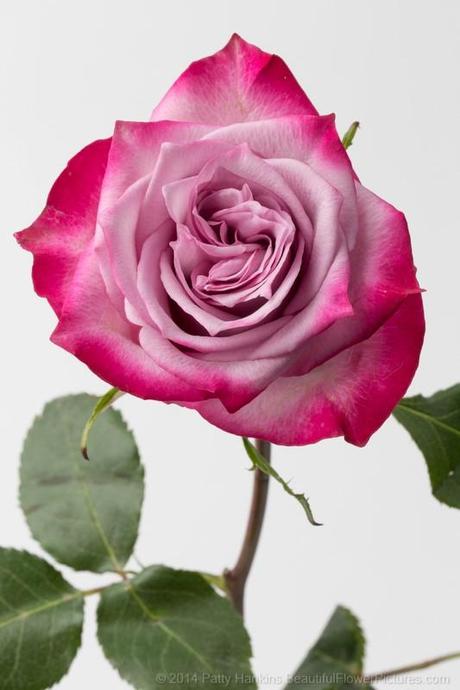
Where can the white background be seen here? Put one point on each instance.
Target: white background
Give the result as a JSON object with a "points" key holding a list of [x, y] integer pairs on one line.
{"points": [[388, 549]]}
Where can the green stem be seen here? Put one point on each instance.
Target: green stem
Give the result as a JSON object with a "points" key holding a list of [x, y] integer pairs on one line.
{"points": [[236, 577], [95, 590], [404, 670]]}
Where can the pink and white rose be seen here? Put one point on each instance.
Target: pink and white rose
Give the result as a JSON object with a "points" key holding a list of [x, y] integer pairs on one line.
{"points": [[224, 256]]}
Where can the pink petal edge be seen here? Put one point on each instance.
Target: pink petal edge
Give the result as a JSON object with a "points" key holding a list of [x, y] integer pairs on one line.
{"points": [[238, 83]]}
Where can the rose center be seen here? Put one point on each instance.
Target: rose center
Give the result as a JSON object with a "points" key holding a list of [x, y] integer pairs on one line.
{"points": [[245, 246]]}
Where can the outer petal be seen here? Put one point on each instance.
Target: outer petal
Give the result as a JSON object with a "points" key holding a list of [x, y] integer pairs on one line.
{"points": [[67, 224], [351, 394], [135, 149], [91, 328], [238, 83], [382, 276]]}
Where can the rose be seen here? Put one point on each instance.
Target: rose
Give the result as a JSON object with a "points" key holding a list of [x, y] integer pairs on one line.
{"points": [[225, 257]]}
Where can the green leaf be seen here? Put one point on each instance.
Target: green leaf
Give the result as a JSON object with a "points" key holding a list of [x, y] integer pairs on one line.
{"points": [[101, 405], [434, 424], [349, 135], [336, 660], [259, 461], [41, 619], [86, 515], [169, 627]]}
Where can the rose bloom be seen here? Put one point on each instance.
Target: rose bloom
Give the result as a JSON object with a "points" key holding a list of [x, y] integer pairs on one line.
{"points": [[224, 256]]}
